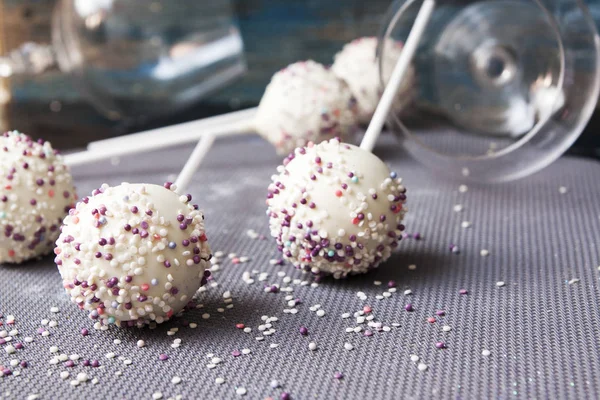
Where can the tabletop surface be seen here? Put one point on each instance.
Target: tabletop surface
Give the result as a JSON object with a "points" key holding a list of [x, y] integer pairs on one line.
{"points": [[534, 336]]}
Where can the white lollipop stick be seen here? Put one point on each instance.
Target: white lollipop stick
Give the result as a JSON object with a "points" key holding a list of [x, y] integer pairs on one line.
{"points": [[192, 164], [174, 138], [402, 66], [152, 135]]}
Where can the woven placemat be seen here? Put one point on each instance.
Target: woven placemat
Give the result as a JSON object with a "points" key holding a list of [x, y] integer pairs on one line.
{"points": [[527, 326]]}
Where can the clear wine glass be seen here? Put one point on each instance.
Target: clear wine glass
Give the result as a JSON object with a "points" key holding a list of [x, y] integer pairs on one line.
{"points": [[504, 86], [135, 59]]}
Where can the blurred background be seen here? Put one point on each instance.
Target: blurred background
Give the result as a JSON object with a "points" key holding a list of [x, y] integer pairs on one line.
{"points": [[182, 62]]}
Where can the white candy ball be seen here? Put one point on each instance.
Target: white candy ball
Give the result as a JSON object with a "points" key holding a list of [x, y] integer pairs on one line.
{"points": [[335, 208], [357, 65], [305, 102], [133, 253], [36, 191]]}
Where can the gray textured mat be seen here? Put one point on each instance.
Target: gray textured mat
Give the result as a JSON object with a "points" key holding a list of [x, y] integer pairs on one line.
{"points": [[541, 331]]}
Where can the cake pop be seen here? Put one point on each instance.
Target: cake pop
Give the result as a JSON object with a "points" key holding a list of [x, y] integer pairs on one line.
{"points": [[305, 103], [335, 208], [36, 191], [133, 254], [357, 65]]}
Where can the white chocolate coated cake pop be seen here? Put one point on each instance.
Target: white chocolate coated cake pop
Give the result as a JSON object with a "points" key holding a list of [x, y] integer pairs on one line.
{"points": [[305, 102], [36, 191], [133, 254], [357, 65], [335, 208]]}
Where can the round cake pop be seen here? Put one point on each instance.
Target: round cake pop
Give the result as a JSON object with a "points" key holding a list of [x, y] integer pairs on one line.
{"points": [[133, 253], [357, 65], [305, 102], [335, 208], [36, 191]]}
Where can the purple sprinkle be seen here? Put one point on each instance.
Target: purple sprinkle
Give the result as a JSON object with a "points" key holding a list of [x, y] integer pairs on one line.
{"points": [[440, 345], [69, 364], [409, 307], [338, 375], [441, 313], [392, 284], [285, 396], [463, 291], [303, 331], [85, 332], [236, 353], [86, 363], [368, 333], [163, 357], [95, 364]]}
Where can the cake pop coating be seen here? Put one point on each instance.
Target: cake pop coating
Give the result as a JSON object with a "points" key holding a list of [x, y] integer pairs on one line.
{"points": [[36, 191], [335, 208], [133, 253], [305, 102], [357, 65]]}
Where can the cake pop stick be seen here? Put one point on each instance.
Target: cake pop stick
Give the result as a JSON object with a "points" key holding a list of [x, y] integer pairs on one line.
{"points": [[184, 129], [192, 164], [400, 70], [336, 208], [89, 156]]}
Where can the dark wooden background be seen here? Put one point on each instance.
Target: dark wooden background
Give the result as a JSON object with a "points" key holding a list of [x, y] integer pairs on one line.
{"points": [[276, 33]]}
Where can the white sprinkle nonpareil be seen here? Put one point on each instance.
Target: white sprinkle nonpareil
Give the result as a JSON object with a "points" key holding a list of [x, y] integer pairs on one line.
{"points": [[241, 391]]}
